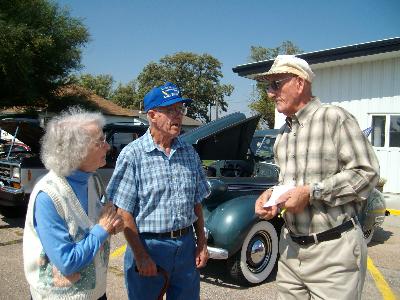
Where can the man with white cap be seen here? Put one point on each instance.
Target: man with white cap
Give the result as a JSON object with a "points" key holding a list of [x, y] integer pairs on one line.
{"points": [[158, 185], [332, 168]]}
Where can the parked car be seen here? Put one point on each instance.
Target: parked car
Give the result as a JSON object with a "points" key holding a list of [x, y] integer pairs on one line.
{"points": [[237, 177], [20, 170], [262, 144]]}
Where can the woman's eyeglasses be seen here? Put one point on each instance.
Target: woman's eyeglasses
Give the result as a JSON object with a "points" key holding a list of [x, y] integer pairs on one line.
{"points": [[101, 142]]}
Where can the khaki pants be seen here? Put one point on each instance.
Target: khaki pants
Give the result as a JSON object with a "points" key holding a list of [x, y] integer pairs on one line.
{"points": [[328, 270]]}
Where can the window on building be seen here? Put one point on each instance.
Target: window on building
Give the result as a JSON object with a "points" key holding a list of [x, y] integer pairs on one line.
{"points": [[378, 131], [385, 131], [394, 131]]}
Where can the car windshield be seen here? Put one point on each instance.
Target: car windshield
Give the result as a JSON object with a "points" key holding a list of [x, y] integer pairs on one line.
{"points": [[263, 146]]}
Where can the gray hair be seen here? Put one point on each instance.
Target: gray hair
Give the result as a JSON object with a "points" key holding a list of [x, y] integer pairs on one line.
{"points": [[65, 143]]}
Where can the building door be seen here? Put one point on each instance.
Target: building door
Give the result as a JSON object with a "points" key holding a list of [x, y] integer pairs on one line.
{"points": [[385, 137]]}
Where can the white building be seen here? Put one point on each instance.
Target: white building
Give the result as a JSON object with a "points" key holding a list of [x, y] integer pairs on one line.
{"points": [[365, 80]]}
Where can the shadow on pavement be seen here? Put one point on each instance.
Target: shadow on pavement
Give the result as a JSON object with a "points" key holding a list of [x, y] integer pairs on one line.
{"points": [[380, 236], [12, 216]]}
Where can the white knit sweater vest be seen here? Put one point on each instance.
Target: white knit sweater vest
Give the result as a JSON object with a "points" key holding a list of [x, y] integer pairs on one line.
{"points": [[45, 281]]}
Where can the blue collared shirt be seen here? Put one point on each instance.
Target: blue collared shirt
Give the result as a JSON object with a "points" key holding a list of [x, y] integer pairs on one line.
{"points": [[159, 190]]}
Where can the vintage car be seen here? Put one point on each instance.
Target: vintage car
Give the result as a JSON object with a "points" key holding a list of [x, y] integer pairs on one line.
{"points": [[237, 177], [262, 144]]}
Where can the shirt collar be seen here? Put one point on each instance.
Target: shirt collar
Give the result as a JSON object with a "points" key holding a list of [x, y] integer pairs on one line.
{"points": [[79, 176], [149, 144], [303, 114]]}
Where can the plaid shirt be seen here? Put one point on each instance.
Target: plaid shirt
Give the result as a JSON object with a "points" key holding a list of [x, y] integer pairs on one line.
{"points": [[324, 144], [158, 190]]}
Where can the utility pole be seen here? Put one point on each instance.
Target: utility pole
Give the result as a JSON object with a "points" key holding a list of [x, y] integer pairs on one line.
{"points": [[216, 109]]}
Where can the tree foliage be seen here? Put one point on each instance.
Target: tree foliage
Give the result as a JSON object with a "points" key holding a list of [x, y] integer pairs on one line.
{"points": [[198, 77], [125, 95], [40, 44], [261, 103], [101, 85]]}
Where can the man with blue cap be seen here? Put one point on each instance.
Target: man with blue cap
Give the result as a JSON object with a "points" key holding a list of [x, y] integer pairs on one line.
{"points": [[158, 185]]}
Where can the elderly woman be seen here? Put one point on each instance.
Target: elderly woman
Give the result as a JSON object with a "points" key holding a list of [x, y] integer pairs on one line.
{"points": [[65, 243]]}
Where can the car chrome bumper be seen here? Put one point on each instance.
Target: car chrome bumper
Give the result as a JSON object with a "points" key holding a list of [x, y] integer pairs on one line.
{"points": [[217, 253], [13, 197]]}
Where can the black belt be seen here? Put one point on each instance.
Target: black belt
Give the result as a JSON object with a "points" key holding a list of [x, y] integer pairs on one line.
{"points": [[170, 234], [328, 235]]}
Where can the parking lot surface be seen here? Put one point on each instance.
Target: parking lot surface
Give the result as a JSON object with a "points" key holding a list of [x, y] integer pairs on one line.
{"points": [[382, 281]]}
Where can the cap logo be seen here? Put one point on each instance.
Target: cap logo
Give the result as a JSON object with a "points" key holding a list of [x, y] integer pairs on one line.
{"points": [[169, 92]]}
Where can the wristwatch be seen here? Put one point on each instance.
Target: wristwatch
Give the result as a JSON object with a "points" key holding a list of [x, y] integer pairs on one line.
{"points": [[316, 192]]}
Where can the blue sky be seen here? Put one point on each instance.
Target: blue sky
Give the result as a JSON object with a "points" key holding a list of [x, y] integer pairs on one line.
{"points": [[127, 35]]}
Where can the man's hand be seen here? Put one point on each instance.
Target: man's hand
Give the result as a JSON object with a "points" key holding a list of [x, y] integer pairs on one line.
{"points": [[262, 212], [201, 255], [201, 248], [296, 199], [146, 266], [144, 263]]}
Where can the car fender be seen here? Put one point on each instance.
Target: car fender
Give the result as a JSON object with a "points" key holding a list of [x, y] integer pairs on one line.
{"points": [[229, 223]]}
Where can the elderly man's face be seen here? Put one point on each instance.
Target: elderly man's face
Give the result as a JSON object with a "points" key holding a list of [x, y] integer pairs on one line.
{"points": [[98, 147], [285, 90], [168, 119]]}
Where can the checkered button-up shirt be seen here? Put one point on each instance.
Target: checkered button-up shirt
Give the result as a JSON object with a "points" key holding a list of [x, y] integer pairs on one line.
{"points": [[159, 190], [325, 145]]}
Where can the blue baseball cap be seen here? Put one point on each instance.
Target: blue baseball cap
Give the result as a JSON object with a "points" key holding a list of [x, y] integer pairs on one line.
{"points": [[163, 95]]}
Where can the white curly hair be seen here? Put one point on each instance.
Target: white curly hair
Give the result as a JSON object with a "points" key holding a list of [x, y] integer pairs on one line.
{"points": [[65, 143]]}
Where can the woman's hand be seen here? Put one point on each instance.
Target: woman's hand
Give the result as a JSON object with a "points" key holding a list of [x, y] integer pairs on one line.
{"points": [[110, 220]]}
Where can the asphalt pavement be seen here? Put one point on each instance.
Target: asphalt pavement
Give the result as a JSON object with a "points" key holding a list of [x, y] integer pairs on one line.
{"points": [[382, 281]]}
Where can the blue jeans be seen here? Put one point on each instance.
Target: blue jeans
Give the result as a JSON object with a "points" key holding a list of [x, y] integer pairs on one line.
{"points": [[177, 257]]}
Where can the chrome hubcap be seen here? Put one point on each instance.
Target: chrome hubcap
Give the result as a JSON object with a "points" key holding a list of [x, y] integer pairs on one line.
{"points": [[259, 252]]}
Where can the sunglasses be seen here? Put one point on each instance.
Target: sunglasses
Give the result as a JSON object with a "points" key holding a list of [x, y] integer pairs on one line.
{"points": [[277, 84]]}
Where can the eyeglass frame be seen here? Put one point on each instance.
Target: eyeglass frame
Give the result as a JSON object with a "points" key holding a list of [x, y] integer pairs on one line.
{"points": [[101, 142], [275, 85], [172, 111]]}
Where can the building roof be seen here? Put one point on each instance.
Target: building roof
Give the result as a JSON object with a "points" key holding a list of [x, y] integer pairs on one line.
{"points": [[106, 107], [250, 70]]}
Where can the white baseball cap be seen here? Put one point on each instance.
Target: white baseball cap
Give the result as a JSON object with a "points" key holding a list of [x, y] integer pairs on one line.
{"points": [[289, 64]]}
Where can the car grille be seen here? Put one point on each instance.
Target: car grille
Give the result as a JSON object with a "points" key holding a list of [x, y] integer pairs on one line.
{"points": [[5, 171]]}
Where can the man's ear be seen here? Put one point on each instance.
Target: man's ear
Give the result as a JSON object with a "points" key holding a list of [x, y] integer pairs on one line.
{"points": [[300, 84], [151, 114]]}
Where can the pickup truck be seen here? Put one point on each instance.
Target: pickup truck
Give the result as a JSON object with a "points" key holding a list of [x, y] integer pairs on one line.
{"points": [[20, 169]]}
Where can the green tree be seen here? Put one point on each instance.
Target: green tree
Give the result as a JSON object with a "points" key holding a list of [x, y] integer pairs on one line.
{"points": [[40, 44], [198, 77], [125, 95], [101, 85], [261, 103]]}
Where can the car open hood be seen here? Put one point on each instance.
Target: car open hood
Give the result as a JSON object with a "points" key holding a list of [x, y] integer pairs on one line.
{"points": [[227, 138], [29, 131]]}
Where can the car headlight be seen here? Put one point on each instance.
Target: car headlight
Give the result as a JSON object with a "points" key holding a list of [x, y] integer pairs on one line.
{"points": [[15, 173]]}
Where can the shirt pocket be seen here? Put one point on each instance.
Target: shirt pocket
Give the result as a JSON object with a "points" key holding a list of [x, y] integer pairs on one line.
{"points": [[187, 183]]}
